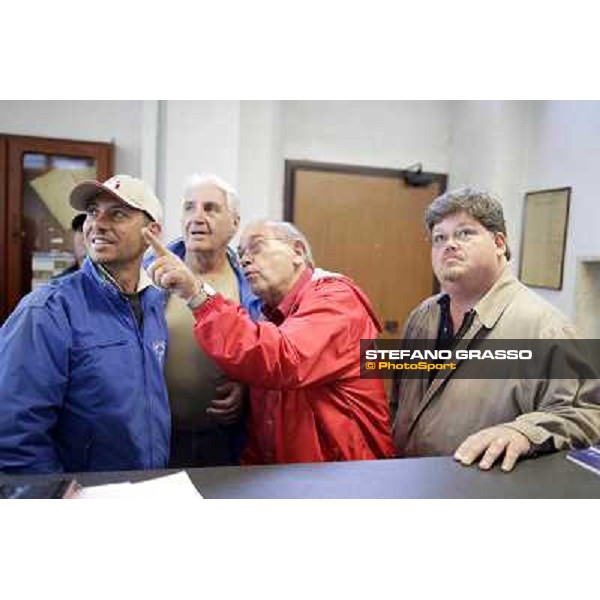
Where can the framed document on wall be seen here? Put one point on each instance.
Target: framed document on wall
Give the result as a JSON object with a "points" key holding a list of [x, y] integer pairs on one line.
{"points": [[544, 236]]}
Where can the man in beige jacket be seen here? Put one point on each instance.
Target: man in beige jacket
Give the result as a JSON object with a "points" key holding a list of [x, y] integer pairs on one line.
{"points": [[486, 419]]}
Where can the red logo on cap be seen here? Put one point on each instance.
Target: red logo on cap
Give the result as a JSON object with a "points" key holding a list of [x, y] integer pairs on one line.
{"points": [[117, 184]]}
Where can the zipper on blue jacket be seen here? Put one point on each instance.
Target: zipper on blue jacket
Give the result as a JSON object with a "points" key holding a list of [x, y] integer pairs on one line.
{"points": [[140, 336]]}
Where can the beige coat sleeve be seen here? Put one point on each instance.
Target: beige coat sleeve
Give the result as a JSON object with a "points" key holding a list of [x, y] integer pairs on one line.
{"points": [[566, 412]]}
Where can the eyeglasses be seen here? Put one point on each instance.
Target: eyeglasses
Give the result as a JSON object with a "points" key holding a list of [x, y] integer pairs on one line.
{"points": [[255, 245], [461, 235]]}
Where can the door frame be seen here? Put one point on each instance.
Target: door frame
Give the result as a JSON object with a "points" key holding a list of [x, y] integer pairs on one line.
{"points": [[293, 166], [3, 228]]}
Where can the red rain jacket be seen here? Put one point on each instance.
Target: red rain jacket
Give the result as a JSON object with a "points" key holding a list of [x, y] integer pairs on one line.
{"points": [[308, 402]]}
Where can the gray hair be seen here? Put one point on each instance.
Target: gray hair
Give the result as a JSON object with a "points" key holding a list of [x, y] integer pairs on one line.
{"points": [[289, 232], [478, 204], [197, 180]]}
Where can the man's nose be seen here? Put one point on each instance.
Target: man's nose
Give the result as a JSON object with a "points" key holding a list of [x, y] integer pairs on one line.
{"points": [[198, 214], [98, 221], [245, 259], [451, 242]]}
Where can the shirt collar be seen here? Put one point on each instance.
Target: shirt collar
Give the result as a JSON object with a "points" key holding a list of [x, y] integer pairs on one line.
{"points": [[143, 282], [279, 313], [446, 328], [490, 307]]}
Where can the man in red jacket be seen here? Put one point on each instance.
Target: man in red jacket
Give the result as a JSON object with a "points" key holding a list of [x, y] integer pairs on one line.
{"points": [[308, 401]]}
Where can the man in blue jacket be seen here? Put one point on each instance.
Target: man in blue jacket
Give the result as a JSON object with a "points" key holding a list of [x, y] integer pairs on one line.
{"points": [[81, 359], [207, 409]]}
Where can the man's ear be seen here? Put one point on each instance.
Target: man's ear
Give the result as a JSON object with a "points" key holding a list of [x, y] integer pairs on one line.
{"points": [[236, 223], [299, 252], [155, 228], [500, 240]]}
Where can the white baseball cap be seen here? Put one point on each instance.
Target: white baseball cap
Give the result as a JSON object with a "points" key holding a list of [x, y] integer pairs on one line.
{"points": [[130, 190]]}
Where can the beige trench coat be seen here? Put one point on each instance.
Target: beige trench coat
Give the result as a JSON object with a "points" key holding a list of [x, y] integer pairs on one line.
{"points": [[552, 413]]}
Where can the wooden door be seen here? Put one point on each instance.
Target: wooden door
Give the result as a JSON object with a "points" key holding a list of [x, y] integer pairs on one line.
{"points": [[367, 223], [38, 175]]}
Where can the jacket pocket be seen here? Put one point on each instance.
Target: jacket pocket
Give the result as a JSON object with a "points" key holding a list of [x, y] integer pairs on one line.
{"points": [[101, 373], [99, 344]]}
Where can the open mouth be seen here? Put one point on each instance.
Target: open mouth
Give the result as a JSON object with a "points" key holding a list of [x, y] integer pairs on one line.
{"points": [[198, 232], [99, 242]]}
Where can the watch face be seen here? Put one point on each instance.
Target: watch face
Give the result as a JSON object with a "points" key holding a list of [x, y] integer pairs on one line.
{"points": [[208, 289]]}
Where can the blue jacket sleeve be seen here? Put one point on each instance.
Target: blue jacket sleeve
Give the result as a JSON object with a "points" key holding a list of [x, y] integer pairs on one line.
{"points": [[34, 365]]}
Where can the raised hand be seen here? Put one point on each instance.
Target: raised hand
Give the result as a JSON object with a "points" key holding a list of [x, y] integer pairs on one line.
{"points": [[169, 271]]}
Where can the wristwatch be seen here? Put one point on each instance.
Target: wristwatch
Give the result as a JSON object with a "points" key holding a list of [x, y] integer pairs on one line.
{"points": [[205, 292]]}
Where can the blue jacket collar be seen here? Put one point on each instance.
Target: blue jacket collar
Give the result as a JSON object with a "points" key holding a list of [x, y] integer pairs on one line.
{"points": [[106, 281], [89, 268]]}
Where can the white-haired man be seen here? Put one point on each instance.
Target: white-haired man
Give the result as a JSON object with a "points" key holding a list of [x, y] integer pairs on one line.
{"points": [[308, 402], [207, 408]]}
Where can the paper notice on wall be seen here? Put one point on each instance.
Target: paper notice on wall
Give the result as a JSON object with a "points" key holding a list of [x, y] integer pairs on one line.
{"points": [[54, 187], [542, 251], [46, 265]]}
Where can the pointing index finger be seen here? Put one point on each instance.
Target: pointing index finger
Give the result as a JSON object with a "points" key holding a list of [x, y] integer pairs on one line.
{"points": [[157, 245]]}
